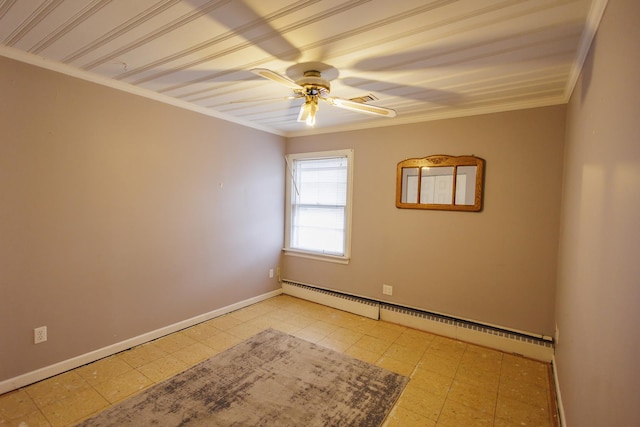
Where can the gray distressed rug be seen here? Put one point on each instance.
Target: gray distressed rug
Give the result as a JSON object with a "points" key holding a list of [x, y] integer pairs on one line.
{"points": [[271, 379]]}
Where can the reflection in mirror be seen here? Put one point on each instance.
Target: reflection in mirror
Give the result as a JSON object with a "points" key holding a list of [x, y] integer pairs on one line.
{"points": [[440, 182], [436, 186], [410, 185], [465, 183]]}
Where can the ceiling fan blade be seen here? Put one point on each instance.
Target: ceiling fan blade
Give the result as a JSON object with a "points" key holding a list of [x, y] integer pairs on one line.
{"points": [[276, 77], [360, 107]]}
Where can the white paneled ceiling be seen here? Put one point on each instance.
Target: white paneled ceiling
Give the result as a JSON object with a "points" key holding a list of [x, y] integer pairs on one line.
{"points": [[426, 59]]}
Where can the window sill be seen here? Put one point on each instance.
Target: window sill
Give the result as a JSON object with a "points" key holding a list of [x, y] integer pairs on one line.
{"points": [[317, 256]]}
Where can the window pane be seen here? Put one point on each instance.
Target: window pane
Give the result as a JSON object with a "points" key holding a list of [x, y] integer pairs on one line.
{"points": [[318, 229], [321, 181]]}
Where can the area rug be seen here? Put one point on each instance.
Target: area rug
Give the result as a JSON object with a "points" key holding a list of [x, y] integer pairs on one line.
{"points": [[271, 379]]}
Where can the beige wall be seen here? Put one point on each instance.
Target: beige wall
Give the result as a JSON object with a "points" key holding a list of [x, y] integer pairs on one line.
{"points": [[598, 297], [497, 266], [112, 220]]}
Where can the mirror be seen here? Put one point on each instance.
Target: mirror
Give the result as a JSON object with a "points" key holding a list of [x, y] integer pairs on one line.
{"points": [[440, 182]]}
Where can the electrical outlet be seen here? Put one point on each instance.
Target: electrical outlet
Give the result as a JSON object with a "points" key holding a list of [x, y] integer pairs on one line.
{"points": [[39, 334], [271, 273], [557, 337], [387, 289]]}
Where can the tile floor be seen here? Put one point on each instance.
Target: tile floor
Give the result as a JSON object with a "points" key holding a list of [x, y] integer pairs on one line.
{"points": [[452, 384]]}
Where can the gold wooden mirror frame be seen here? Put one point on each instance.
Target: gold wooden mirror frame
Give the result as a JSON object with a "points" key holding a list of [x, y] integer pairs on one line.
{"points": [[442, 182]]}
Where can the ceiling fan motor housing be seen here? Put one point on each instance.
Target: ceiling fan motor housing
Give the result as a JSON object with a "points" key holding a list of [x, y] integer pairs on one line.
{"points": [[314, 84]]}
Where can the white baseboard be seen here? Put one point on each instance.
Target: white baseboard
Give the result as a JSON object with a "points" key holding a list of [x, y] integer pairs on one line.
{"points": [[66, 365], [556, 385]]}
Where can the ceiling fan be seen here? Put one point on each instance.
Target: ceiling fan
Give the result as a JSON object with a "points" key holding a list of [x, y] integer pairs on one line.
{"points": [[311, 82]]}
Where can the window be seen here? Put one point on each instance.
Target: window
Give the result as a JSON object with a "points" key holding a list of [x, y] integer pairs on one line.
{"points": [[318, 216]]}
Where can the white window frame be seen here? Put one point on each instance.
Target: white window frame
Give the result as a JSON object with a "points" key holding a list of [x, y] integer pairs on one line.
{"points": [[291, 188]]}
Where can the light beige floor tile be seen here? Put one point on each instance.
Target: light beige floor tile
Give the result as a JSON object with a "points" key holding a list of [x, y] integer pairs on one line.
{"points": [[195, 353], [75, 407], [387, 331], [404, 354], [526, 370], [453, 354], [482, 358], [246, 330], [401, 417], [345, 335], [243, 315], [222, 341], [309, 335], [142, 355], [419, 400], [311, 310], [298, 320], [163, 368], [338, 318], [103, 370], [432, 381], [518, 412], [33, 419], [363, 354], [224, 323], [373, 344], [201, 331], [484, 384], [263, 323], [489, 366], [321, 327], [522, 391], [486, 380], [125, 385], [396, 366], [174, 342], [360, 324], [16, 404], [280, 315], [417, 340], [455, 414], [56, 388], [440, 362], [334, 344], [473, 397], [484, 352], [285, 327], [448, 344]]}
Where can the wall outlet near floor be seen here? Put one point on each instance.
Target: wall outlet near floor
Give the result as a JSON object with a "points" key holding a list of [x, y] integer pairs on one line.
{"points": [[557, 337], [271, 273], [387, 289], [39, 334]]}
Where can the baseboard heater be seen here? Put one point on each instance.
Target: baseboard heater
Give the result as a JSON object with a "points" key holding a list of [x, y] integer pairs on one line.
{"points": [[356, 305], [528, 345]]}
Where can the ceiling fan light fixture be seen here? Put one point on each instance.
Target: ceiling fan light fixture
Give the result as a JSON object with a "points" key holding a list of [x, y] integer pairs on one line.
{"points": [[308, 111]]}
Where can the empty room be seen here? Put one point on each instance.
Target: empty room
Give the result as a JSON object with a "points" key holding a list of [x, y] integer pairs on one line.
{"points": [[319, 212]]}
